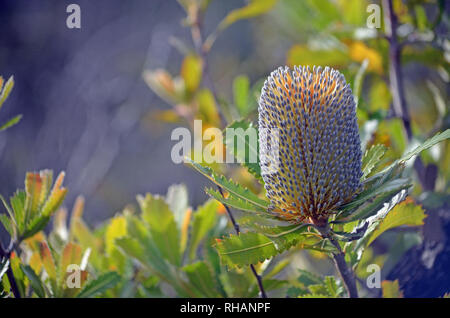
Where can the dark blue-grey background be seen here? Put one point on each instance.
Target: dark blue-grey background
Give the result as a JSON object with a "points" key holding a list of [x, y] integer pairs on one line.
{"points": [[83, 99]]}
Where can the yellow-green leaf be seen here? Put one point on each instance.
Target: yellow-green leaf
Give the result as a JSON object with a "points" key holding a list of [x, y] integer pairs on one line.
{"points": [[252, 9], [302, 55], [404, 213], [191, 72], [163, 228], [47, 260], [117, 228], [391, 289], [4, 93]]}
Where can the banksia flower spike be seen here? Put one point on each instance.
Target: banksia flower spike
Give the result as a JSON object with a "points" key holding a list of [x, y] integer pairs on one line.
{"points": [[310, 150]]}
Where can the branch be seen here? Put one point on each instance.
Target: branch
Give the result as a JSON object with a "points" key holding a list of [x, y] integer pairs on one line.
{"points": [[237, 230], [347, 275], [396, 82], [197, 37]]}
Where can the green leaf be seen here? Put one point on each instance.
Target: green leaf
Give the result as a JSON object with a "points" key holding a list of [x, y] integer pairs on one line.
{"points": [[375, 201], [201, 278], [284, 237], [143, 248], [269, 284], [99, 285], [241, 87], [253, 9], [303, 55], [7, 224], [4, 93], [403, 214], [163, 229], [37, 225], [391, 289], [35, 281], [307, 278], [245, 249], [372, 158], [18, 207], [359, 245], [229, 185], [11, 122], [237, 203], [424, 146], [207, 108], [371, 200], [191, 72], [252, 247], [47, 260], [117, 228], [243, 148], [204, 219]]}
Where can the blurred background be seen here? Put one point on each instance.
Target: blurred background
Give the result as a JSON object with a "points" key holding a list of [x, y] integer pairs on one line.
{"points": [[96, 103], [83, 97]]}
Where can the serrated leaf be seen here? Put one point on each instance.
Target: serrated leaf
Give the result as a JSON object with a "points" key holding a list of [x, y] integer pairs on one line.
{"points": [[141, 246], [332, 286], [117, 227], [373, 221], [35, 281], [56, 196], [403, 214], [269, 284], [319, 289], [239, 204], [18, 209], [252, 247], [203, 221], [300, 235], [201, 278], [307, 278], [229, 185], [7, 224], [243, 149], [372, 158], [164, 231], [47, 260], [38, 224], [424, 146], [33, 188], [245, 249], [371, 199], [99, 285]]}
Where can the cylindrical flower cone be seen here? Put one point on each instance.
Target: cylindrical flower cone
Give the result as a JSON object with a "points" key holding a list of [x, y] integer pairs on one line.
{"points": [[310, 150]]}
